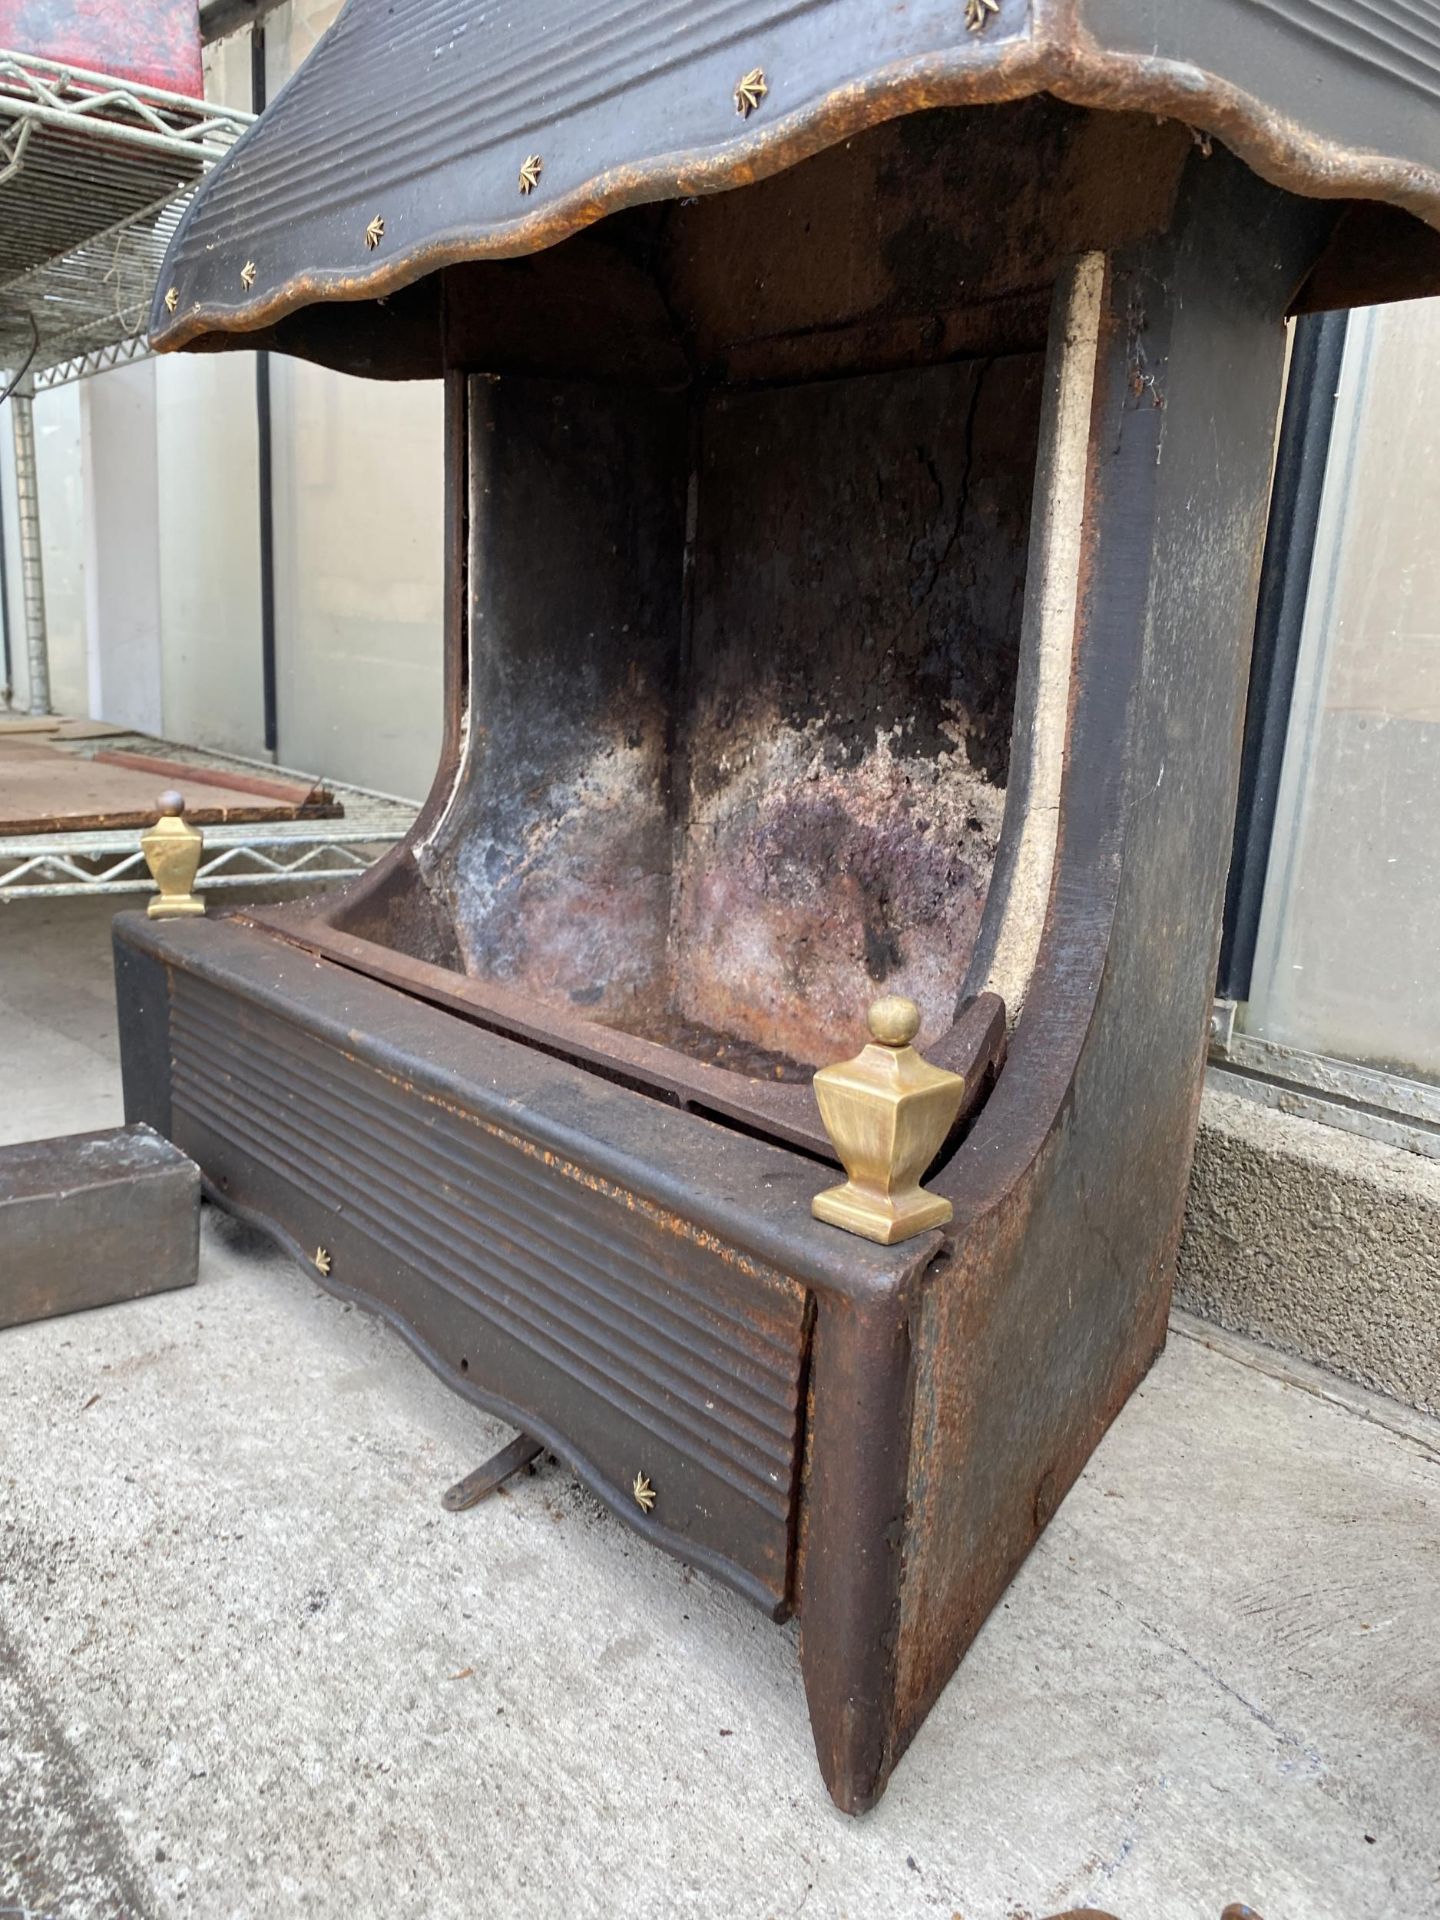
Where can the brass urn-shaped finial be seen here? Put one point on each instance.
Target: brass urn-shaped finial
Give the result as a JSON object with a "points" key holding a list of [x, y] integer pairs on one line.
{"points": [[887, 1112], [172, 849]]}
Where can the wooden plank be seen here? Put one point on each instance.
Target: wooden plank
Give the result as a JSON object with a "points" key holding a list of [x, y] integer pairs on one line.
{"points": [[93, 1218], [314, 798], [46, 790], [154, 41], [89, 729]]}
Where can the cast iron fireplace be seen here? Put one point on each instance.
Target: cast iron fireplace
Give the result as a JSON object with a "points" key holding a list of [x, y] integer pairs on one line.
{"points": [[859, 426]]}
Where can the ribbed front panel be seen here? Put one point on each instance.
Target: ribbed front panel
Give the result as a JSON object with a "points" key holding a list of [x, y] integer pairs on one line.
{"points": [[686, 1342]]}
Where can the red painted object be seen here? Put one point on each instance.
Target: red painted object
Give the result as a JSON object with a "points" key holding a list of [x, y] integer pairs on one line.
{"points": [[153, 41]]}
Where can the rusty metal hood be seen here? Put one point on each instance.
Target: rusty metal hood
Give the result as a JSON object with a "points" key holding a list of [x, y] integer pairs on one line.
{"points": [[439, 131]]}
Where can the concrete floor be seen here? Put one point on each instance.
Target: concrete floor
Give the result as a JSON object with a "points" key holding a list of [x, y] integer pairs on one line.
{"points": [[248, 1667]]}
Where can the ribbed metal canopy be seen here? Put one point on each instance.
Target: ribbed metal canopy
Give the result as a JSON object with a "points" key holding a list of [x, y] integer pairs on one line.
{"points": [[439, 131]]}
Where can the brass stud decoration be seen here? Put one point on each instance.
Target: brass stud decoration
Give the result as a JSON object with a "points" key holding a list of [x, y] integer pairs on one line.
{"points": [[887, 1112], [750, 91], [979, 13], [247, 275], [644, 1493], [172, 299], [375, 232], [172, 849], [530, 172], [322, 1260]]}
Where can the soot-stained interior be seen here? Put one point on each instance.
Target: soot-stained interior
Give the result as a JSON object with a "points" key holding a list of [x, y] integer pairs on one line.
{"points": [[722, 789], [746, 586]]}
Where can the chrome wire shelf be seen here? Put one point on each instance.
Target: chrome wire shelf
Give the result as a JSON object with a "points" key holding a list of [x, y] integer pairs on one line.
{"points": [[295, 853], [289, 853], [95, 175], [286, 853]]}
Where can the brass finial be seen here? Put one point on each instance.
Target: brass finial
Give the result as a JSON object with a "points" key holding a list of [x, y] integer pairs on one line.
{"points": [[530, 172], [172, 849], [750, 91], [887, 1112]]}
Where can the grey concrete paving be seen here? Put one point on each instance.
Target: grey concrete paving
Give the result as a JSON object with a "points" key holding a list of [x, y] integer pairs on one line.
{"points": [[248, 1667]]}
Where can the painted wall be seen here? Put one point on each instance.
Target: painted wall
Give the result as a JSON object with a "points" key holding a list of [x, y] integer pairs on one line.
{"points": [[358, 544], [122, 557], [209, 551], [62, 536]]}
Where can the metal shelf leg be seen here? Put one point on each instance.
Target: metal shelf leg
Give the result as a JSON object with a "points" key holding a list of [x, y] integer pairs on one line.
{"points": [[32, 568]]}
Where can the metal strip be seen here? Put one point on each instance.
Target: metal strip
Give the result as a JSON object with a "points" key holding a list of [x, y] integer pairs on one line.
{"points": [[1338, 1093], [1316, 614], [8, 687], [32, 564], [265, 473], [1032, 813], [1284, 587]]}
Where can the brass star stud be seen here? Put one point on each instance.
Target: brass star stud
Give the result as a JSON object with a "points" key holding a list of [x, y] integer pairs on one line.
{"points": [[644, 1493], [375, 232], [322, 1260], [750, 92], [247, 275], [172, 299], [530, 173], [978, 14]]}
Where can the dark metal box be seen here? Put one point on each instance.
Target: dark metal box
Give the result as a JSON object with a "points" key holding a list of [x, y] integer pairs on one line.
{"points": [[92, 1218]]}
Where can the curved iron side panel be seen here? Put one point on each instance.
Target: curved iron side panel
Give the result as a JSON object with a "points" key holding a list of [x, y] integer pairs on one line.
{"points": [[385, 159], [1053, 1300]]}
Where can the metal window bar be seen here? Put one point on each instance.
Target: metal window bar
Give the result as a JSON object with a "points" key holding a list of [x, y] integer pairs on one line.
{"points": [[1300, 463]]}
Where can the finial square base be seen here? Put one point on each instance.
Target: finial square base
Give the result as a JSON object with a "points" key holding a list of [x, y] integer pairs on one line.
{"points": [[874, 1217]]}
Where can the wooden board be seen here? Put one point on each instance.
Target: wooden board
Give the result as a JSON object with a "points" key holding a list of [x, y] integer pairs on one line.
{"points": [[314, 798], [44, 790], [89, 730], [59, 728], [154, 41]]}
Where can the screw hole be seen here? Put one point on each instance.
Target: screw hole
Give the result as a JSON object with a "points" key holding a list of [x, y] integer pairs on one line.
{"points": [[464, 1364]]}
